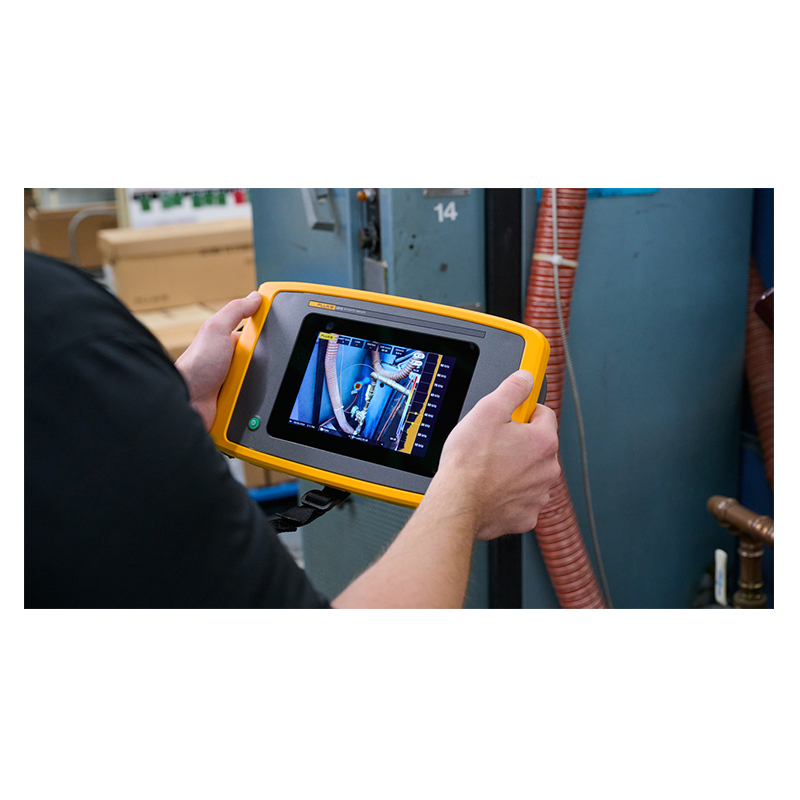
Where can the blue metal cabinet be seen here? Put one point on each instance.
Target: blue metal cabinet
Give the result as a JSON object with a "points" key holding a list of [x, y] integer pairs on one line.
{"points": [[427, 253], [434, 246], [287, 248], [657, 337]]}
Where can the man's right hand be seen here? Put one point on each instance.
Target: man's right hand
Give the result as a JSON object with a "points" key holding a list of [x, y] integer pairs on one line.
{"points": [[494, 477], [501, 470]]}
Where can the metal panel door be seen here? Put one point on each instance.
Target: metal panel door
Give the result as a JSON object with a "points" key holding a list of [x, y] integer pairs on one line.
{"points": [[657, 338]]}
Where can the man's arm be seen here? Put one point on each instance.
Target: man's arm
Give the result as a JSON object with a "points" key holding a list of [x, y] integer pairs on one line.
{"points": [[494, 478]]}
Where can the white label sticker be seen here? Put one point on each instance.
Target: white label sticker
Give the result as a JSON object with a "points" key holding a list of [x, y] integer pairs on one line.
{"points": [[720, 576]]}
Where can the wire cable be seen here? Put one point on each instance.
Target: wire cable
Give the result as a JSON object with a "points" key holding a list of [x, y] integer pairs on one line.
{"points": [[574, 386]]}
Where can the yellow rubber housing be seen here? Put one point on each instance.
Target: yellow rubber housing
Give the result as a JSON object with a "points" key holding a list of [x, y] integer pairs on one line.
{"points": [[534, 360]]}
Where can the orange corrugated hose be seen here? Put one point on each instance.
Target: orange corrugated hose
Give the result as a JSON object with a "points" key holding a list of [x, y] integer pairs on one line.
{"points": [[332, 382], [760, 369], [557, 531]]}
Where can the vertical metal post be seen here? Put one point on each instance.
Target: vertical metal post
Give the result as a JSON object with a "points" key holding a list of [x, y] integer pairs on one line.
{"points": [[503, 213], [749, 594]]}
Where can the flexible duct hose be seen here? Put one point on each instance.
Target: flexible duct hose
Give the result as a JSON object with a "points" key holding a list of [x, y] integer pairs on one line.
{"points": [[332, 382], [760, 369], [392, 375], [557, 530]]}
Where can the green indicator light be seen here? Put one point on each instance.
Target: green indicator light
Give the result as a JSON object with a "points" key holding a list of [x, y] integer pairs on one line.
{"points": [[254, 423]]}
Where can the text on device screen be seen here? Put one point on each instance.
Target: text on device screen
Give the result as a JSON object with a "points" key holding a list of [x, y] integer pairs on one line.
{"points": [[386, 395]]}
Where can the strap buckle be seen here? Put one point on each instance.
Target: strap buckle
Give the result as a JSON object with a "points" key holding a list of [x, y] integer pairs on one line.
{"points": [[324, 499], [313, 504]]}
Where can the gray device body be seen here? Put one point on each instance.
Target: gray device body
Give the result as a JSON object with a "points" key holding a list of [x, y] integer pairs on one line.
{"points": [[500, 355]]}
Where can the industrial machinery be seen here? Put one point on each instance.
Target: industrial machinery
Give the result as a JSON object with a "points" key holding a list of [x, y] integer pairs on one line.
{"points": [[652, 304]]}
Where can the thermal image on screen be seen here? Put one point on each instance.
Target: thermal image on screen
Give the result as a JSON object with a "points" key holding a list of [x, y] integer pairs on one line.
{"points": [[381, 394]]}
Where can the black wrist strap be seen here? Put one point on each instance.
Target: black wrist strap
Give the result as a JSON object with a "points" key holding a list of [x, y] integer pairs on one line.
{"points": [[313, 504]]}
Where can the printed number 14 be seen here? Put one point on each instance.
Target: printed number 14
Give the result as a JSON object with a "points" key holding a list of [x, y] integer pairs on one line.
{"points": [[446, 213]]}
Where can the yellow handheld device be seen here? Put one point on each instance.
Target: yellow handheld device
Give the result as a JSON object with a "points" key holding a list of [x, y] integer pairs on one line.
{"points": [[358, 390]]}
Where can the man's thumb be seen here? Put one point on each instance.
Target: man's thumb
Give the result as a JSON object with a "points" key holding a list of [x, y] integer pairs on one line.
{"points": [[513, 392], [229, 316]]}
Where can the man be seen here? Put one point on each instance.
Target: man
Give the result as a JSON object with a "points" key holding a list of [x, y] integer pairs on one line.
{"points": [[128, 504]]}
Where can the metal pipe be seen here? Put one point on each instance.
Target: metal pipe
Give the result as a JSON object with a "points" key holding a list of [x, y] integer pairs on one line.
{"points": [[740, 520], [395, 375], [754, 530], [389, 382], [72, 231], [749, 594]]}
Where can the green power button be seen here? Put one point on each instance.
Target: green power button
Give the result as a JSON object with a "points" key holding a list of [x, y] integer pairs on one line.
{"points": [[254, 423]]}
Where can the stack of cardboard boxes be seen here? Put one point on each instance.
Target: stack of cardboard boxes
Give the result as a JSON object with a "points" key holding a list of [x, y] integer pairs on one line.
{"points": [[174, 277]]}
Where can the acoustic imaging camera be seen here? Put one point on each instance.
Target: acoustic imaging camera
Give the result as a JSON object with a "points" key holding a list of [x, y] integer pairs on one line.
{"points": [[358, 390]]}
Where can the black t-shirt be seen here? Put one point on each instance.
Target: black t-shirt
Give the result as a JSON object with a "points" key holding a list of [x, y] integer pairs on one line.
{"points": [[127, 502]]}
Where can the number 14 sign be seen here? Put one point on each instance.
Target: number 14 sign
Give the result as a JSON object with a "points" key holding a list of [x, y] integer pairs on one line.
{"points": [[446, 212]]}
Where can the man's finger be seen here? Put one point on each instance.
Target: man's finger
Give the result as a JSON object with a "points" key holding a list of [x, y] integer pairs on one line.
{"points": [[229, 316], [544, 415], [512, 393], [544, 428]]}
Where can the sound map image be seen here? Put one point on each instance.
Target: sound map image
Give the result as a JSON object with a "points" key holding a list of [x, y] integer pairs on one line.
{"points": [[385, 395]]}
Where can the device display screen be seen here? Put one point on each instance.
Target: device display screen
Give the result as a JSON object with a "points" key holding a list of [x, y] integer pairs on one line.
{"points": [[374, 392]]}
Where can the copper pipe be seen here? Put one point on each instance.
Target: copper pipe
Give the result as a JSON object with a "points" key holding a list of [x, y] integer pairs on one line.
{"points": [[750, 583], [754, 530], [731, 515]]}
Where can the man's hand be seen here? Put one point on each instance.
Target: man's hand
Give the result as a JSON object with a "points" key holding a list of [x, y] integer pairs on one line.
{"points": [[501, 471], [206, 361], [494, 477]]}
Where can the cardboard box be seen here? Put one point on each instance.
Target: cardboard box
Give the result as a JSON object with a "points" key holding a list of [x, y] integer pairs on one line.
{"points": [[176, 327], [28, 233], [254, 477], [274, 478], [174, 265], [49, 232]]}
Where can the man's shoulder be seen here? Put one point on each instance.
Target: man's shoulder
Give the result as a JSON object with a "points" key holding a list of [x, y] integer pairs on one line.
{"points": [[56, 293], [65, 307]]}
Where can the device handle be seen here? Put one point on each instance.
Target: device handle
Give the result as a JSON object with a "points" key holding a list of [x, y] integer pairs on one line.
{"points": [[542, 392]]}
